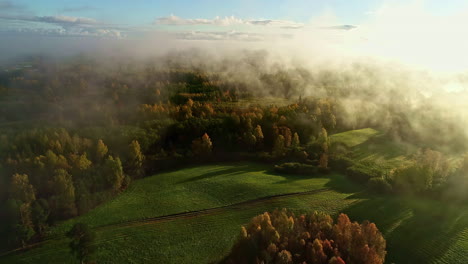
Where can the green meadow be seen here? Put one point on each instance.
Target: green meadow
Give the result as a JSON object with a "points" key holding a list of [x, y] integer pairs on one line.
{"points": [[193, 215]]}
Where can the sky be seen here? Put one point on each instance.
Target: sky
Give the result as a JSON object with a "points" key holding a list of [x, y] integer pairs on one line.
{"points": [[419, 32], [118, 17]]}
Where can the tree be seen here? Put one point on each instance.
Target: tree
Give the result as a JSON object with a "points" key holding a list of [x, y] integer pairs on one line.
{"points": [[283, 237], [323, 161], [81, 244], [101, 150], [258, 133], [429, 171], [22, 194], [284, 257], [250, 140], [39, 214], [295, 143], [202, 146], [135, 159], [457, 183], [279, 149], [63, 198], [19, 230], [113, 173], [21, 189], [323, 141]]}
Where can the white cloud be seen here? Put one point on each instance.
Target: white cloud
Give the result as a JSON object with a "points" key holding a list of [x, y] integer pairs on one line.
{"points": [[65, 20], [226, 21], [220, 35], [64, 25]]}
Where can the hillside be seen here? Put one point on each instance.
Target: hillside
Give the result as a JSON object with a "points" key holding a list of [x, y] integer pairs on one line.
{"points": [[173, 230]]}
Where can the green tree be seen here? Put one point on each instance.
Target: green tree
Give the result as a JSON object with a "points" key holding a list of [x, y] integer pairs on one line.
{"points": [[23, 193], [63, 199], [82, 242], [295, 143], [40, 213], [113, 173]]}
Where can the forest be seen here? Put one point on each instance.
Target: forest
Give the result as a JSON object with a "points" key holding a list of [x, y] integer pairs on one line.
{"points": [[77, 132]]}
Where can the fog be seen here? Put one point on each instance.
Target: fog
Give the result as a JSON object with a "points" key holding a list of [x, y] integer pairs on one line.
{"points": [[401, 57]]}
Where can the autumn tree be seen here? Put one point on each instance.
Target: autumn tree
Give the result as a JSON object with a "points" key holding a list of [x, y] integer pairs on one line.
{"points": [[279, 148], [258, 133], [135, 160], [21, 189], [101, 150], [283, 237], [324, 144], [202, 146]]}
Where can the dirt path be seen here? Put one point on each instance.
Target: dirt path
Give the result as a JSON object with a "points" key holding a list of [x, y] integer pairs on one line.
{"points": [[182, 215]]}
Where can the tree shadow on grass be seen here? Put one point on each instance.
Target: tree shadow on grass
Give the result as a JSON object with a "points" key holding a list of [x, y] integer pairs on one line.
{"points": [[417, 230], [337, 181], [237, 169]]}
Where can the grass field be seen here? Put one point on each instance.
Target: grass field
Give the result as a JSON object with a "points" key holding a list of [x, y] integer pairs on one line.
{"points": [[198, 188], [371, 149], [194, 238], [135, 226]]}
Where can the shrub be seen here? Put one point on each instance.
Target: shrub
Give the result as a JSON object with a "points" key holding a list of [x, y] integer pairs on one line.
{"points": [[361, 173], [296, 168], [379, 185], [340, 163]]}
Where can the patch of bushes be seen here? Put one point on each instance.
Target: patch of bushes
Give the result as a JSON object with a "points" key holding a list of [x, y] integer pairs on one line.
{"points": [[379, 185], [296, 168], [341, 163], [362, 172]]}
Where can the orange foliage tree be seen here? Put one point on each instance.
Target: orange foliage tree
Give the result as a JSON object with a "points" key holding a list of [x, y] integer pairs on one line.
{"points": [[282, 237]]}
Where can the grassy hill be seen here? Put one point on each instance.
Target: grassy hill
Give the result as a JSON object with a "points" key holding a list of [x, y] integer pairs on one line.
{"points": [[194, 215], [136, 219], [371, 147]]}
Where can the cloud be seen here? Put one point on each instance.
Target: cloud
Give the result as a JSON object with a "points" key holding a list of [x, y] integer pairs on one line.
{"points": [[341, 27], [226, 21], [219, 21], [59, 20], [67, 25], [220, 35], [66, 20]]}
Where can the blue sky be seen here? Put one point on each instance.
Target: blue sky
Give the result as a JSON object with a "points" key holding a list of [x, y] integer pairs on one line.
{"points": [[136, 12], [427, 31], [144, 11], [119, 17]]}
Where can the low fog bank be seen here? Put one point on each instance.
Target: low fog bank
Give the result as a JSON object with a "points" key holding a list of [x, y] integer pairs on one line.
{"points": [[373, 92]]}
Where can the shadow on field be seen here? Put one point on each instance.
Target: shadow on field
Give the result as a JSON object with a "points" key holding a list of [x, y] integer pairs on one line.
{"points": [[224, 172], [417, 230], [337, 181], [340, 183]]}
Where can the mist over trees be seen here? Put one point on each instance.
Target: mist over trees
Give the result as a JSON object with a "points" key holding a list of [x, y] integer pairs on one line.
{"points": [[76, 132]]}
